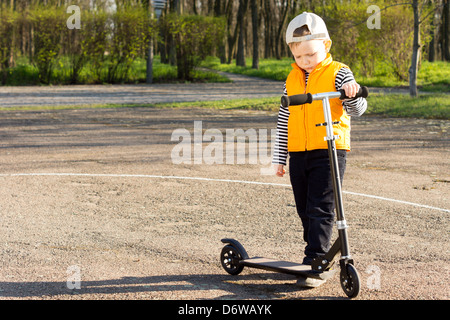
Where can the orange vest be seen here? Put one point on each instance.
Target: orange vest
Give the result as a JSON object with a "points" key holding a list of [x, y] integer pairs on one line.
{"points": [[303, 134]]}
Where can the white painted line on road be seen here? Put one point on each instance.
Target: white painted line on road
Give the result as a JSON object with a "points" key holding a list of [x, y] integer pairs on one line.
{"points": [[112, 175], [394, 200]]}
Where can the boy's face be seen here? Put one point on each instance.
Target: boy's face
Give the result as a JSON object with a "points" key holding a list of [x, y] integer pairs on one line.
{"points": [[308, 54]]}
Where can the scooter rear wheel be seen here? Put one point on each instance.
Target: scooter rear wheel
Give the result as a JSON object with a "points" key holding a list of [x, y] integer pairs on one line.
{"points": [[350, 281], [230, 257]]}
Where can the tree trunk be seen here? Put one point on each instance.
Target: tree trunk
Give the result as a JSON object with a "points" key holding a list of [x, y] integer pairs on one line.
{"points": [[446, 30], [176, 7], [432, 44], [415, 54], [150, 61], [240, 56], [267, 29], [149, 75], [255, 27], [278, 40], [232, 37], [220, 8]]}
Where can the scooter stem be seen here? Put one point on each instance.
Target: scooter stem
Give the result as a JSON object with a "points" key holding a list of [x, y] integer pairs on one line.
{"points": [[341, 244]]}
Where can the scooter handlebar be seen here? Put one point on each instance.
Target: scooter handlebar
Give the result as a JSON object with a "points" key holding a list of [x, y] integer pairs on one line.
{"points": [[363, 92], [296, 99], [299, 99]]}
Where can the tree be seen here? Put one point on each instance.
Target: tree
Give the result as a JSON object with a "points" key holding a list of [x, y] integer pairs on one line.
{"points": [[446, 30], [255, 29], [416, 47], [281, 26], [7, 25], [415, 51], [149, 72], [48, 24], [196, 37], [240, 55]]}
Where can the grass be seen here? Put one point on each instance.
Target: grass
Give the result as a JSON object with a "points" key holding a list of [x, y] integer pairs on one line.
{"points": [[27, 74], [265, 104], [426, 106], [435, 76], [432, 77], [261, 104], [268, 68]]}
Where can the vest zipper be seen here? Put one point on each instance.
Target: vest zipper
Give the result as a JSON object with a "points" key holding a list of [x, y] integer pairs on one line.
{"points": [[305, 114]]}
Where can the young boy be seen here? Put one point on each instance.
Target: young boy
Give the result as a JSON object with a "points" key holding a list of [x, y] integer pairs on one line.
{"points": [[314, 71]]}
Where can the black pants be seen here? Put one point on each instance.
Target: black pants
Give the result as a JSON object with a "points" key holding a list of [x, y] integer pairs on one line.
{"points": [[311, 181]]}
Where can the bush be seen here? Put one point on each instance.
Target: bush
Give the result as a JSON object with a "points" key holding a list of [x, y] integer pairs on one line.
{"points": [[365, 49], [130, 36], [86, 44], [48, 24], [196, 37], [107, 42], [94, 42], [7, 23]]}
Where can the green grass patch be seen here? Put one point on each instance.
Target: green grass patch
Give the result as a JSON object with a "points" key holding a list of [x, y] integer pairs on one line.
{"points": [[426, 106], [25, 73], [383, 77], [432, 77], [268, 68], [265, 104]]}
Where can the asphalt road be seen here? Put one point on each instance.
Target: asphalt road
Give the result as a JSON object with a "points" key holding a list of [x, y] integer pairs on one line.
{"points": [[91, 197], [241, 87]]}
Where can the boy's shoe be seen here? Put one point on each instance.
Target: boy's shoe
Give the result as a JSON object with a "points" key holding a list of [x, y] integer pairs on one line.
{"points": [[309, 282]]}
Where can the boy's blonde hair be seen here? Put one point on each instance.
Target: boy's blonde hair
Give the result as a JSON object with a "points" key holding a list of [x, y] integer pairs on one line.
{"points": [[299, 32], [304, 31]]}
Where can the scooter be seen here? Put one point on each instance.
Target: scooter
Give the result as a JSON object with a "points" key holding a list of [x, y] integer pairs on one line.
{"points": [[234, 257]]}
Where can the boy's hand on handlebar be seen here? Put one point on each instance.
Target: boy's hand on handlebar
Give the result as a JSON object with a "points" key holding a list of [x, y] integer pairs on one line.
{"points": [[280, 170], [351, 88]]}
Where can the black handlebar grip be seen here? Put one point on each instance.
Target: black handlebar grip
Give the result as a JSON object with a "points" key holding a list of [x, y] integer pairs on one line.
{"points": [[363, 92], [296, 99]]}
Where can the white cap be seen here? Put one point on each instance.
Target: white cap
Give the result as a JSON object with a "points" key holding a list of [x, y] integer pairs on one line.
{"points": [[315, 25]]}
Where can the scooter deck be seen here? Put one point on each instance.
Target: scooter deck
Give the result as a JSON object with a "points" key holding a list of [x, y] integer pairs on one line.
{"points": [[287, 267]]}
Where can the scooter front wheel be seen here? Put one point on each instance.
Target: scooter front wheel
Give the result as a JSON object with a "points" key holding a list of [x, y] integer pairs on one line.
{"points": [[230, 257], [350, 281]]}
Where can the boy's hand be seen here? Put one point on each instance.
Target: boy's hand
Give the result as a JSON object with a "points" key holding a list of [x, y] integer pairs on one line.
{"points": [[351, 88], [280, 170]]}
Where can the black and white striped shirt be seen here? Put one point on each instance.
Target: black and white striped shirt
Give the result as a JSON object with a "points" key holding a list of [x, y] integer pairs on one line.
{"points": [[353, 107]]}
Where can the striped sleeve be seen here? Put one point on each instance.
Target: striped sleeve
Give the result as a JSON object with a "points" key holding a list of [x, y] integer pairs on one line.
{"points": [[280, 152], [353, 107]]}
